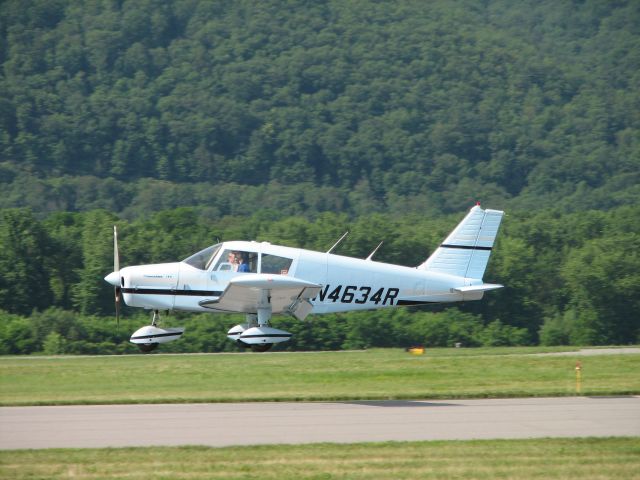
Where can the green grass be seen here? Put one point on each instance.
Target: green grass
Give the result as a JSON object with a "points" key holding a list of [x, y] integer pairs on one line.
{"points": [[482, 459], [374, 374]]}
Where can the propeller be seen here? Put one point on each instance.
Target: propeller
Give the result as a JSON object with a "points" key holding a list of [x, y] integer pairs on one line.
{"points": [[116, 269]]}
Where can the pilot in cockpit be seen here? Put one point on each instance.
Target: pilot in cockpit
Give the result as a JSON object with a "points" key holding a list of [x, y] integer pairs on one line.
{"points": [[241, 262]]}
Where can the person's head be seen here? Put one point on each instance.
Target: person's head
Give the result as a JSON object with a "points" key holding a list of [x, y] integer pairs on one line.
{"points": [[232, 257]]}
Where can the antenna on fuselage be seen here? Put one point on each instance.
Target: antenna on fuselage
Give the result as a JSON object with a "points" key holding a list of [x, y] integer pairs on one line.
{"points": [[374, 251], [338, 242]]}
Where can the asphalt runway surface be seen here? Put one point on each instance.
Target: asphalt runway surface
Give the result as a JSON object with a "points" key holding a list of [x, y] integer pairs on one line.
{"points": [[226, 424]]}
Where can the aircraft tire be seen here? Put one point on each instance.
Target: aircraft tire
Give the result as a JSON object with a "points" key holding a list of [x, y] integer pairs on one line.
{"points": [[261, 348], [147, 347]]}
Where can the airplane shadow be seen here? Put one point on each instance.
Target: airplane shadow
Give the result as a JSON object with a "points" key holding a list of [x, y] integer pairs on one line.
{"points": [[400, 403]]}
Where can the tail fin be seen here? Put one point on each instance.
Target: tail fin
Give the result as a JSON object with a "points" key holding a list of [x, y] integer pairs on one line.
{"points": [[465, 252]]}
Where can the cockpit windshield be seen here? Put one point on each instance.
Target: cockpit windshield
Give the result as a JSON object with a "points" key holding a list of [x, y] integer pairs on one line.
{"points": [[202, 260]]}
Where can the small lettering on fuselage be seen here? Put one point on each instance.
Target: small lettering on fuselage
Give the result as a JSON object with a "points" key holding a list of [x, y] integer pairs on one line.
{"points": [[359, 295]]}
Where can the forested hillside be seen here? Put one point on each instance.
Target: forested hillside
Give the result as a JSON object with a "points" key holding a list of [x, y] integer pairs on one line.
{"points": [[292, 121], [415, 105]]}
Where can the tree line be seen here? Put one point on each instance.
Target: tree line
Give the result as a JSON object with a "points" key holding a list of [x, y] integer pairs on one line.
{"points": [[569, 278]]}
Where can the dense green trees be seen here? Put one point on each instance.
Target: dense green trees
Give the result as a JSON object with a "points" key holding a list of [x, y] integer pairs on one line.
{"points": [[570, 279], [24, 260], [525, 103]]}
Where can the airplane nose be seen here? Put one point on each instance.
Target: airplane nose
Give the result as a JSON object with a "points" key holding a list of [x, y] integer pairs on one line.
{"points": [[113, 278]]}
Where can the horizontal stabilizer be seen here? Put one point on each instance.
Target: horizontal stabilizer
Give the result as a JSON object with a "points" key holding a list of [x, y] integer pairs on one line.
{"points": [[485, 287]]}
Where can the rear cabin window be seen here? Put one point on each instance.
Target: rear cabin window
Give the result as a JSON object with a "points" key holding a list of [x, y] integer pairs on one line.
{"points": [[275, 264]]}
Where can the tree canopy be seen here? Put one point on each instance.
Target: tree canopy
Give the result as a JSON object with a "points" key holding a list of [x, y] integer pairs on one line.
{"points": [[373, 103]]}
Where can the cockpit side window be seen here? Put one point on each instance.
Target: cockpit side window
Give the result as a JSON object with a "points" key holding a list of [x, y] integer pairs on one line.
{"points": [[275, 264], [238, 261], [203, 258]]}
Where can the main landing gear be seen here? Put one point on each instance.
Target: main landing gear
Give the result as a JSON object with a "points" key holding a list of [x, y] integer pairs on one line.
{"points": [[256, 333]]}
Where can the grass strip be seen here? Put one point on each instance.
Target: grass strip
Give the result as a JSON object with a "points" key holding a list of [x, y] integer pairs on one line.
{"points": [[583, 458], [321, 376]]}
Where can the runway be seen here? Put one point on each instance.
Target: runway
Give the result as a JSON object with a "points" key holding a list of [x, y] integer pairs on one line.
{"points": [[226, 424]]}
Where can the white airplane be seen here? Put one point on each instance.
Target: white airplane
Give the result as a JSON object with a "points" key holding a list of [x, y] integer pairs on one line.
{"points": [[261, 279]]}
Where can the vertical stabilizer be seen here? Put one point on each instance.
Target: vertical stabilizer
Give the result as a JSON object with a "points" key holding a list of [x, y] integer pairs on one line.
{"points": [[466, 251]]}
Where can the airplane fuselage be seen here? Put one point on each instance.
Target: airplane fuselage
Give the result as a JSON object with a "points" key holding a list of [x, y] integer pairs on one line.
{"points": [[346, 283]]}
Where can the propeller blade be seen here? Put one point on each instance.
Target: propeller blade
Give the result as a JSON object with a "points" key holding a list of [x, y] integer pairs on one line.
{"points": [[117, 295], [116, 268], [116, 256]]}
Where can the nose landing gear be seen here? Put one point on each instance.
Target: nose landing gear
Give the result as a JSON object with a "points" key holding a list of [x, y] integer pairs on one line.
{"points": [[149, 337]]}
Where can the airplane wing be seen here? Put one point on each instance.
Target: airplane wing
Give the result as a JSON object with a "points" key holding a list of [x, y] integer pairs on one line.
{"points": [[286, 294]]}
